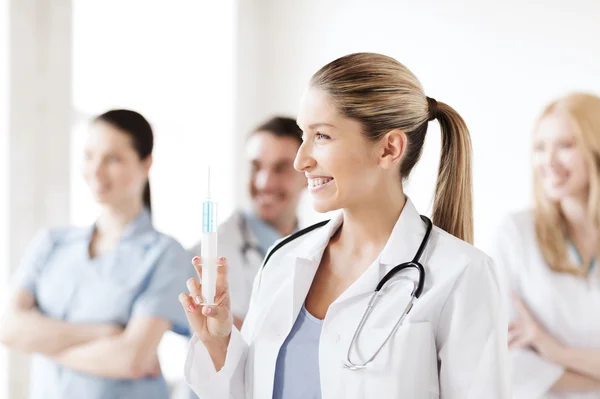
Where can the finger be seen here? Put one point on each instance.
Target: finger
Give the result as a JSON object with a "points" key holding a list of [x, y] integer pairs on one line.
{"points": [[187, 302], [518, 342], [222, 299], [514, 335], [514, 325], [223, 266], [222, 276], [215, 312], [194, 288], [197, 262]]}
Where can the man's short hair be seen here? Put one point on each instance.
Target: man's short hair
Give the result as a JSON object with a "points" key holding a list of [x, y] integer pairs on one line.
{"points": [[281, 126]]}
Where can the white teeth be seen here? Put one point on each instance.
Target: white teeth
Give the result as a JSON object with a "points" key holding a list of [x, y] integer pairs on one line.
{"points": [[318, 182]]}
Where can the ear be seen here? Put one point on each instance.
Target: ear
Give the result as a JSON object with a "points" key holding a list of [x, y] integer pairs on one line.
{"points": [[392, 148], [147, 163]]}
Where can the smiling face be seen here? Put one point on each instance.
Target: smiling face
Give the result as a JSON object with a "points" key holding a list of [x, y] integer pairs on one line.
{"points": [[343, 167], [275, 187], [559, 163], [112, 168]]}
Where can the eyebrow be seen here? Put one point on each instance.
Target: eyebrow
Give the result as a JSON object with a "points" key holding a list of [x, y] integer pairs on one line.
{"points": [[316, 125], [278, 162]]}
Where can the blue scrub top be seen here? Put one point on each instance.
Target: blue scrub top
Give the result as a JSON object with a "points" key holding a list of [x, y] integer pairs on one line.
{"points": [[575, 253], [297, 373], [263, 231], [141, 276]]}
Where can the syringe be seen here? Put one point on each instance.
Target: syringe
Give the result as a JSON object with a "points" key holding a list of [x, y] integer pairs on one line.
{"points": [[209, 247]]}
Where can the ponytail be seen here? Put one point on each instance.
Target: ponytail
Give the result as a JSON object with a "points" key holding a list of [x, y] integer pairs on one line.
{"points": [[453, 203], [383, 94], [147, 198]]}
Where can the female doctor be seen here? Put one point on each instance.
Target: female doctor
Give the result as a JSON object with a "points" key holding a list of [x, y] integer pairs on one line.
{"points": [[364, 119], [549, 254]]}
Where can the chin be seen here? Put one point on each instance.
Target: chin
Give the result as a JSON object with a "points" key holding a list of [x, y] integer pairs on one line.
{"points": [[100, 199], [267, 213], [321, 206], [559, 194], [104, 200]]}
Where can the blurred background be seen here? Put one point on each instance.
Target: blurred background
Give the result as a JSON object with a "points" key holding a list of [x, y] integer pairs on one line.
{"points": [[205, 73]]}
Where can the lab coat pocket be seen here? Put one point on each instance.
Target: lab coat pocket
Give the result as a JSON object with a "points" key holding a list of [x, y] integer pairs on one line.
{"points": [[406, 366]]}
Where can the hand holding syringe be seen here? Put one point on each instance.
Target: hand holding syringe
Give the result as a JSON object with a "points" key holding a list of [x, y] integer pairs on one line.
{"points": [[207, 304], [209, 247]]}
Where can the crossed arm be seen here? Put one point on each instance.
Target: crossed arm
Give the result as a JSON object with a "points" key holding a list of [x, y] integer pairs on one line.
{"points": [[582, 366], [104, 350]]}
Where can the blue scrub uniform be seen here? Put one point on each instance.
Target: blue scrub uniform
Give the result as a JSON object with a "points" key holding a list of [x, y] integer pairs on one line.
{"points": [[141, 276]]}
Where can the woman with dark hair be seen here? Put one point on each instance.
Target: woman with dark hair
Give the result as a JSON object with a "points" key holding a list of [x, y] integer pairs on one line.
{"points": [[92, 304]]}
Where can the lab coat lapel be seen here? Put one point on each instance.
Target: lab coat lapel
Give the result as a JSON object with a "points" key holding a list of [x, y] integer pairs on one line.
{"points": [[308, 257], [293, 287]]}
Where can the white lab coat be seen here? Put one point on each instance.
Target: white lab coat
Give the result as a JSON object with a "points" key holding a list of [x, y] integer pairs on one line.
{"points": [[242, 270], [452, 345], [565, 305]]}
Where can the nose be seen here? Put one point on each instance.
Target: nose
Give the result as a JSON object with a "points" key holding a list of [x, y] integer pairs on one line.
{"points": [[304, 160], [264, 179], [97, 170], [552, 158], [93, 168]]}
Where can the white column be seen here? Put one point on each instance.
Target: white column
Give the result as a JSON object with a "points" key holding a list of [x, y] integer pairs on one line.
{"points": [[249, 84], [39, 108], [3, 177]]}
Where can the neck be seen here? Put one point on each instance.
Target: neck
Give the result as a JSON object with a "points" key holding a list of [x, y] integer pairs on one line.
{"points": [[112, 220], [285, 224], [576, 214], [370, 225]]}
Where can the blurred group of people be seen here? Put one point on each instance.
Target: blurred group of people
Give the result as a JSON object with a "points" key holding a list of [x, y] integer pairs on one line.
{"points": [[91, 304]]}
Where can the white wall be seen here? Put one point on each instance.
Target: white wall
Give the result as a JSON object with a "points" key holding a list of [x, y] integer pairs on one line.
{"points": [[173, 62], [3, 179], [496, 62], [38, 121]]}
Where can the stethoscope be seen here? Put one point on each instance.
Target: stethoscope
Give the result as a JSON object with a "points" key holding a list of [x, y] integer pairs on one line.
{"points": [[416, 292], [247, 243]]}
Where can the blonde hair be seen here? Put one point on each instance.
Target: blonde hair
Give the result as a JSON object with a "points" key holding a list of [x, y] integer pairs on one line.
{"points": [[383, 95], [583, 111]]}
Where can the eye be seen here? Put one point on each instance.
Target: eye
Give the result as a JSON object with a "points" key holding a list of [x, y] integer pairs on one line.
{"points": [[321, 136], [113, 158], [283, 168], [538, 147], [566, 144]]}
